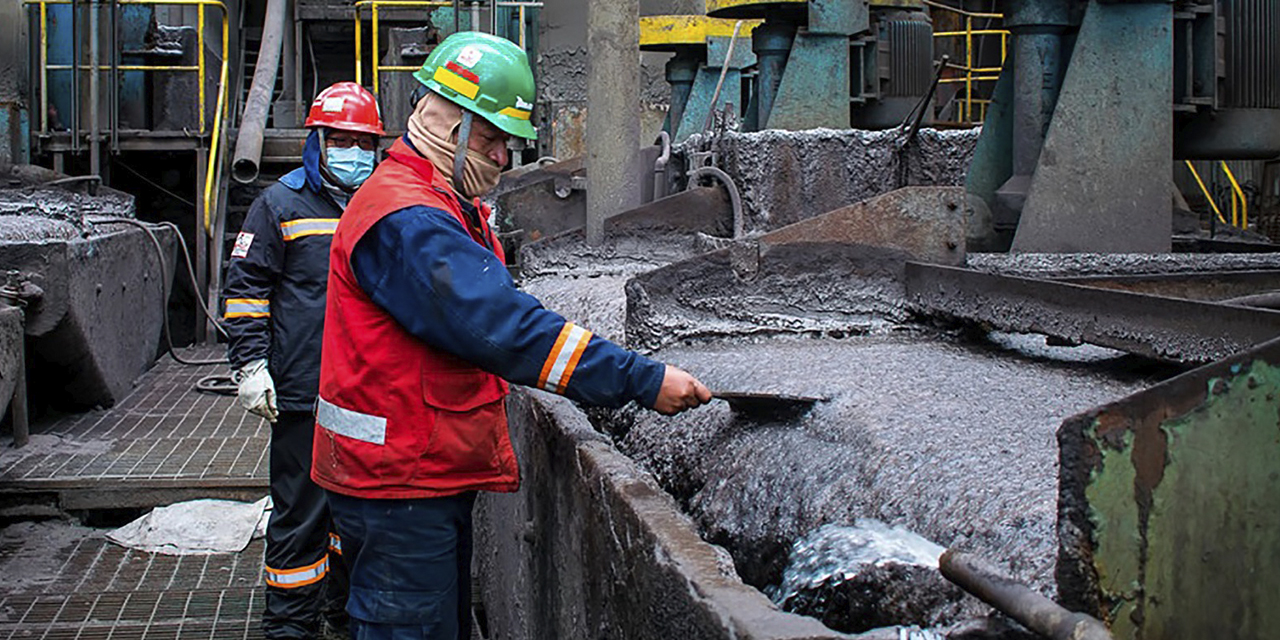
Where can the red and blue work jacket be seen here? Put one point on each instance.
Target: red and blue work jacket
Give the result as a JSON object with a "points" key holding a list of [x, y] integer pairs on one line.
{"points": [[423, 324]]}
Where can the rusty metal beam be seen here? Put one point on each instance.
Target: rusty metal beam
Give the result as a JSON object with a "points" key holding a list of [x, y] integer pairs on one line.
{"points": [[1169, 329], [1208, 286]]}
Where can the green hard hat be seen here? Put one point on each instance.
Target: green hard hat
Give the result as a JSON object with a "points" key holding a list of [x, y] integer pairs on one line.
{"points": [[485, 74]]}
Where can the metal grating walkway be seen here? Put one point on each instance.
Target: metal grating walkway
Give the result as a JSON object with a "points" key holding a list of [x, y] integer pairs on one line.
{"points": [[162, 434], [105, 591]]}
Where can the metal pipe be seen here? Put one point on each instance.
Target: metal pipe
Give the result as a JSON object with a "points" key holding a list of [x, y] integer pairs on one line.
{"points": [[1018, 601], [660, 166], [114, 115], [681, 71], [249, 141], [771, 42], [475, 15], [44, 68], [735, 199], [456, 9], [95, 98], [493, 17], [219, 132], [200, 66], [21, 420], [75, 77]]}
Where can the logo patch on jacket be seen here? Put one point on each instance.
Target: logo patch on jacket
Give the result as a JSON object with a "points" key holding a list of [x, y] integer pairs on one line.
{"points": [[243, 242]]}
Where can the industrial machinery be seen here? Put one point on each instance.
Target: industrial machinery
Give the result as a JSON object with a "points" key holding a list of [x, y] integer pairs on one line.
{"points": [[827, 63], [1098, 99]]}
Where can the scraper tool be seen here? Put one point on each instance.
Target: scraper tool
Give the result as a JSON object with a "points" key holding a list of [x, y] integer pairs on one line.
{"points": [[766, 405]]}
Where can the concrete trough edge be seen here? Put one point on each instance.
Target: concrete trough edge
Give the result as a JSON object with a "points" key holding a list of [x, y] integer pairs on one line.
{"points": [[603, 551]]}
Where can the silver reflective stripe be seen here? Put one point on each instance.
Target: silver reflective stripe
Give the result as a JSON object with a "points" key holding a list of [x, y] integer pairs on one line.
{"points": [[301, 227], [558, 379], [289, 578], [246, 306], [352, 424]]}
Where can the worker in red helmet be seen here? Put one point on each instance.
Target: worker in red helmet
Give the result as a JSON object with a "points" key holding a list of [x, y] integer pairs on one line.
{"points": [[275, 303]]}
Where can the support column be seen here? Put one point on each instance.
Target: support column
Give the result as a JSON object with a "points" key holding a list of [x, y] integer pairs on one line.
{"points": [[613, 119], [201, 240]]}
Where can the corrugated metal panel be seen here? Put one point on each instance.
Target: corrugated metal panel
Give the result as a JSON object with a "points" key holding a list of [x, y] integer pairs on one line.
{"points": [[910, 55], [1253, 54]]}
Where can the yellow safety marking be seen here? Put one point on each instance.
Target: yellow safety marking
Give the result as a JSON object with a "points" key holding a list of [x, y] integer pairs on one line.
{"points": [[737, 7], [456, 82], [247, 308], [519, 114], [659, 31]]}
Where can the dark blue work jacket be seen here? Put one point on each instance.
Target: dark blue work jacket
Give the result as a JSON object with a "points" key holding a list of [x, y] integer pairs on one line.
{"points": [[276, 278]]}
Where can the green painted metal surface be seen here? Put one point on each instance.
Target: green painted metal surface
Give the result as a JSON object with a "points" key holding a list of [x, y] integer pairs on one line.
{"points": [[1170, 505], [815, 86]]}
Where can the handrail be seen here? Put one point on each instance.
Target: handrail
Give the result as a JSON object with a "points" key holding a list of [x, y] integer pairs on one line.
{"points": [[1236, 192], [198, 68], [373, 6], [972, 74], [1205, 190]]}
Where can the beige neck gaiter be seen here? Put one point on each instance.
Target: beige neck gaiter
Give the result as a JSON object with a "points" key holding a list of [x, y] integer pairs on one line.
{"points": [[433, 130]]}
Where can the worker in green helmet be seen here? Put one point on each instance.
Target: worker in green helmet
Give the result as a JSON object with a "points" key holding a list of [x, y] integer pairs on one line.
{"points": [[423, 330]]}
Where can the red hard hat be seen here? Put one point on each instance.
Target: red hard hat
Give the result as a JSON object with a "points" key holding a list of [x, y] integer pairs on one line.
{"points": [[346, 106]]}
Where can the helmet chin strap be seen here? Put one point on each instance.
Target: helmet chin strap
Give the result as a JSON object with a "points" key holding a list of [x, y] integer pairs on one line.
{"points": [[460, 151]]}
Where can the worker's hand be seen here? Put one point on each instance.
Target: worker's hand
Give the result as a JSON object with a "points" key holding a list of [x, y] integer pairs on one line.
{"points": [[257, 392], [680, 391]]}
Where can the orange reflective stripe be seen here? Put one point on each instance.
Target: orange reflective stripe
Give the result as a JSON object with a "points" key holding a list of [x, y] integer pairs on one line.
{"points": [[300, 577], [247, 308], [302, 227], [335, 543], [563, 359]]}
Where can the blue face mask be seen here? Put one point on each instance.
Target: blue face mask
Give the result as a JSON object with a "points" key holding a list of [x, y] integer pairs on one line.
{"points": [[350, 166]]}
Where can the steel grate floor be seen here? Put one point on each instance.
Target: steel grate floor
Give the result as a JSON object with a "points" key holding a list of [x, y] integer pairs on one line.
{"points": [[164, 430], [105, 591]]}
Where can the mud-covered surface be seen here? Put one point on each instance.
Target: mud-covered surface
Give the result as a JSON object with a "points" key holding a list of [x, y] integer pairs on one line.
{"points": [[950, 440], [586, 284], [788, 176], [32, 213], [1062, 265]]}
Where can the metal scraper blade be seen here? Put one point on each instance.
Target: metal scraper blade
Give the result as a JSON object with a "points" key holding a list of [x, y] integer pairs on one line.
{"points": [[767, 405]]}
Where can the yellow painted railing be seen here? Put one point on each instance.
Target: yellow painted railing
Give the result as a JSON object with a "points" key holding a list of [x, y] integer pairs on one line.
{"points": [[374, 5], [971, 74], [198, 68], [1239, 202]]}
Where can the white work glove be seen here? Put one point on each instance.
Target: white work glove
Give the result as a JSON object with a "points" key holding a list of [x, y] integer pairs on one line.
{"points": [[257, 392]]}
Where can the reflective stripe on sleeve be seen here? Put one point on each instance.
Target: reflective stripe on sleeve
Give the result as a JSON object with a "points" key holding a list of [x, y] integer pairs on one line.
{"points": [[300, 577], [247, 308], [563, 359], [335, 543], [294, 229], [352, 424]]}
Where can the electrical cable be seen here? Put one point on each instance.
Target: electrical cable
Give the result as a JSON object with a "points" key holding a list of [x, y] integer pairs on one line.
{"points": [[153, 184], [164, 285]]}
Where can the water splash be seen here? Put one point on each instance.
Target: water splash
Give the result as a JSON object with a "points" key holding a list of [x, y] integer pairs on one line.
{"points": [[838, 553]]}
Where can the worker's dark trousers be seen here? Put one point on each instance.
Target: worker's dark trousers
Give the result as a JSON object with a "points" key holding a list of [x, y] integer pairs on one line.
{"points": [[304, 578], [410, 563]]}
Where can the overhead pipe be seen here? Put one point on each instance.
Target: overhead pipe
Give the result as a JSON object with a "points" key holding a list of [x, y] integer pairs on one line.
{"points": [[244, 166], [1018, 601]]}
